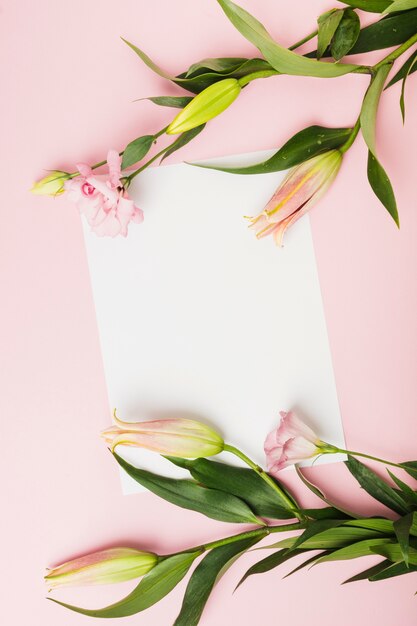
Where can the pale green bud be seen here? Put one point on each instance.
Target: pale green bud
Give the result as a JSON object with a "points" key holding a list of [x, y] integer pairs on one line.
{"points": [[208, 104], [51, 185]]}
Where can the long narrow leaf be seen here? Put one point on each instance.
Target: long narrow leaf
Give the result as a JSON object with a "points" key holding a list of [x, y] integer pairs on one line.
{"points": [[376, 487], [302, 146], [321, 495], [373, 6], [397, 569], [182, 140], [407, 493], [241, 482], [408, 68], [281, 59], [377, 176], [189, 495], [400, 5], [355, 550], [402, 528], [367, 573], [204, 578], [270, 562]]}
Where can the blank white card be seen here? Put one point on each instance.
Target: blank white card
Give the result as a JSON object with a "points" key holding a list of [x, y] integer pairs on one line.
{"points": [[199, 319]]}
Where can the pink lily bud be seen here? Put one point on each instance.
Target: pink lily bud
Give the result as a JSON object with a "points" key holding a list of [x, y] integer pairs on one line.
{"points": [[304, 185], [101, 568], [291, 442], [184, 438]]}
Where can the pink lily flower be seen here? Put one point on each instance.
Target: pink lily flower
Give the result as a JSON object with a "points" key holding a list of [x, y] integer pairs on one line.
{"points": [[102, 199], [304, 185], [291, 442]]}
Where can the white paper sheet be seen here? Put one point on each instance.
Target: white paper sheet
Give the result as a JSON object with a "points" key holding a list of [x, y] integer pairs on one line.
{"points": [[199, 319]]}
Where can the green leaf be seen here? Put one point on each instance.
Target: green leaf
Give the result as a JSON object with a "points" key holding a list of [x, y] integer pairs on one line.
{"points": [[367, 573], [316, 528], [346, 35], [395, 552], [304, 145], [390, 31], [269, 563], [148, 61], [332, 538], [206, 72], [400, 5], [200, 79], [375, 486], [402, 96], [411, 468], [189, 495], [223, 66], [380, 524], [182, 140], [321, 495], [177, 102], [309, 561], [327, 26], [377, 176], [152, 588], [373, 6], [355, 550], [241, 482], [408, 68], [136, 150], [204, 578], [327, 512], [402, 528], [409, 495], [381, 185], [281, 59], [397, 569], [370, 107]]}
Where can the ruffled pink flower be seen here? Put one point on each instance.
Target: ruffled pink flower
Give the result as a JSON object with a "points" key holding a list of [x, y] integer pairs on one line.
{"points": [[291, 442], [304, 185], [102, 199]]}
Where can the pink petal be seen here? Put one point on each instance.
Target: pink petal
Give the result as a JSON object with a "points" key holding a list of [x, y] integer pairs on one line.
{"points": [[292, 426], [114, 162], [84, 169]]}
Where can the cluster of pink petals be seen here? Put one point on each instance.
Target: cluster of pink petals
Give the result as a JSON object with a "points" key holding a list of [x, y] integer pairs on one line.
{"points": [[291, 442], [304, 185], [102, 199]]}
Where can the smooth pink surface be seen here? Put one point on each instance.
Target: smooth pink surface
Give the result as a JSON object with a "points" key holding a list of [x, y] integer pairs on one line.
{"points": [[68, 85]]}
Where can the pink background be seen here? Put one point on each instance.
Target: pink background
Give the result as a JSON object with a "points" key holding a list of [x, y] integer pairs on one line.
{"points": [[68, 86]]}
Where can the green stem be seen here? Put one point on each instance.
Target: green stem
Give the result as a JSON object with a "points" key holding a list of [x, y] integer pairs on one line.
{"points": [[298, 44], [390, 58], [262, 532], [368, 456], [266, 477], [352, 137]]}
